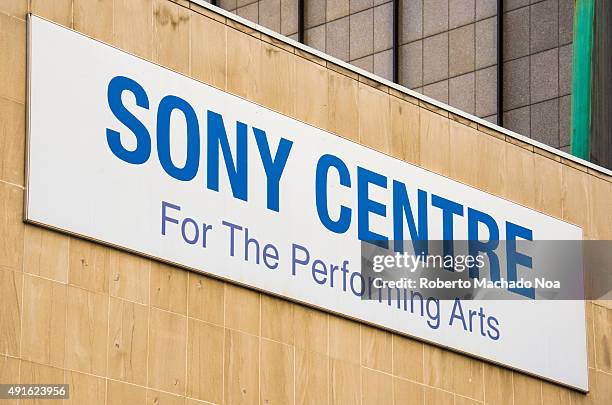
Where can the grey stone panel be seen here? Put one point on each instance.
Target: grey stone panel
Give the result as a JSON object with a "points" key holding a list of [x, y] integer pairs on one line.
{"points": [[435, 58], [314, 12], [437, 91], [485, 8], [336, 9], [565, 118], [250, 12], [545, 122], [366, 63], [460, 12], [337, 38], [289, 17], [518, 120], [383, 27], [566, 21], [491, 118], [514, 4], [461, 92], [359, 5], [361, 34], [544, 25], [544, 75], [379, 2], [228, 4], [411, 64], [435, 17], [383, 64], [486, 92], [516, 33], [566, 149], [270, 14], [315, 37], [411, 20], [461, 50], [516, 83], [565, 70], [242, 3], [486, 43]]}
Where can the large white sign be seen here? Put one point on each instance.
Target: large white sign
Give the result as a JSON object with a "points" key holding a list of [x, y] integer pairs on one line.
{"points": [[131, 154]]}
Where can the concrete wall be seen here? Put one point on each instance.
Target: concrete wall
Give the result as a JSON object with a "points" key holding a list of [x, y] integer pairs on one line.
{"points": [[122, 329]]}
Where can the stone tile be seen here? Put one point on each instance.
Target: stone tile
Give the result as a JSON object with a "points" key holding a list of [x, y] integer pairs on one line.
{"points": [[94, 18], [167, 369], [544, 75], [518, 120], [250, 12], [485, 9], [336, 9], [315, 37], [486, 94], [544, 25], [314, 13], [11, 223], [491, 118], [566, 21], [227, 4], [545, 122], [337, 38], [366, 63], [377, 387], [11, 286], [460, 12], [461, 50], [565, 118], [383, 64], [241, 368], [12, 58], [435, 17], [411, 64], [204, 361], [132, 27], [15, 8], [128, 341], [486, 43], [289, 17], [86, 331], [269, 13], [514, 4], [516, 83], [516, 33], [361, 34], [241, 3], [461, 92], [383, 27], [412, 20], [565, 70], [12, 141], [435, 58], [437, 91], [356, 6]]}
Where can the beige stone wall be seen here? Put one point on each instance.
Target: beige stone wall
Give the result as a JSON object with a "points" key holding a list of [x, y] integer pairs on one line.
{"points": [[122, 329]]}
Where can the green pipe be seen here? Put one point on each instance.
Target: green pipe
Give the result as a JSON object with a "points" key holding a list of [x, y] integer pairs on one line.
{"points": [[581, 78]]}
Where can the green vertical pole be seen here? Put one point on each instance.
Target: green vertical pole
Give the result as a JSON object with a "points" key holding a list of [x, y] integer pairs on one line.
{"points": [[581, 78]]}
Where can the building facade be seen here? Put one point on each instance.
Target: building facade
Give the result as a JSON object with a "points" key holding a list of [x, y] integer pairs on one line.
{"points": [[122, 328], [447, 50]]}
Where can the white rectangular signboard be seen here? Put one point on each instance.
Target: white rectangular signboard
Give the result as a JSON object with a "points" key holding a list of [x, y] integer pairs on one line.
{"points": [[128, 153]]}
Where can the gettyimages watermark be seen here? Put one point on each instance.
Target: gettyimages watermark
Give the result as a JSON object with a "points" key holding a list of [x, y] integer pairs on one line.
{"points": [[486, 270]]}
